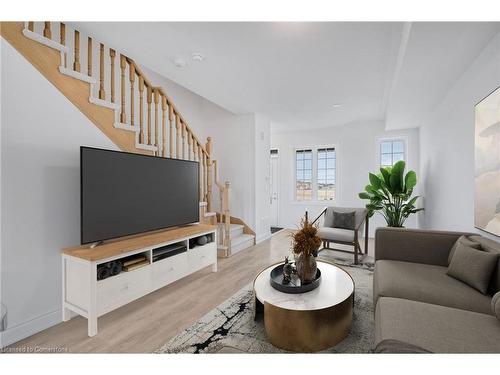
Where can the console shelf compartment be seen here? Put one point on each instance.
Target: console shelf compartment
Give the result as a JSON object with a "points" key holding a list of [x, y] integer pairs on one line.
{"points": [[170, 256]]}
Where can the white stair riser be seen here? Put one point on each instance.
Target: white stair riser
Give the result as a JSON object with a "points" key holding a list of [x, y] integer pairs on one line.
{"points": [[242, 246], [235, 232]]}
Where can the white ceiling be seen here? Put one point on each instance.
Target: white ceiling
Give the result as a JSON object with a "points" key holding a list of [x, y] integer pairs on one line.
{"points": [[295, 72]]}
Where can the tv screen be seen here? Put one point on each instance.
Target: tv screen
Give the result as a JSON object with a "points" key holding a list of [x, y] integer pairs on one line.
{"points": [[124, 193]]}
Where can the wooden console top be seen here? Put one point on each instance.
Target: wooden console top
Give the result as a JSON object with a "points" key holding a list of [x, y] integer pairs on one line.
{"points": [[125, 245]]}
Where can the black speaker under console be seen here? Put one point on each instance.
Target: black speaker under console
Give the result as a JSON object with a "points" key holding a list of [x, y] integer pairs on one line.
{"points": [[169, 251]]}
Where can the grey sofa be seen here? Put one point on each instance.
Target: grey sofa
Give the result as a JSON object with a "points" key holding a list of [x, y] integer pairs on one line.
{"points": [[418, 304]]}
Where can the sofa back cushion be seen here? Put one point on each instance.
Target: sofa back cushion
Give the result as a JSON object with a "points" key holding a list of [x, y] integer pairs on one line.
{"points": [[473, 267], [464, 240], [491, 247]]}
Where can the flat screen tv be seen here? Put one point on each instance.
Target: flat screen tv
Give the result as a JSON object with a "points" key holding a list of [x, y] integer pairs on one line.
{"points": [[124, 193]]}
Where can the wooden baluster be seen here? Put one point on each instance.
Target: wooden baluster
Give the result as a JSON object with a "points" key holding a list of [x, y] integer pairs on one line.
{"points": [[178, 135], [203, 163], [102, 92], [195, 151], [157, 128], [184, 141], [164, 124], [89, 56], [132, 81], [76, 63], [46, 31], [62, 40], [190, 144], [141, 109], [148, 125], [31, 26], [171, 135], [123, 65], [112, 55], [208, 148]]}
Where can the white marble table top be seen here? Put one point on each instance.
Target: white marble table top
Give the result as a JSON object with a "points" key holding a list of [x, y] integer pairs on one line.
{"points": [[335, 287]]}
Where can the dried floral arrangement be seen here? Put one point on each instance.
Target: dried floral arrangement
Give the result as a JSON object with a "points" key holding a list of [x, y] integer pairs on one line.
{"points": [[306, 241]]}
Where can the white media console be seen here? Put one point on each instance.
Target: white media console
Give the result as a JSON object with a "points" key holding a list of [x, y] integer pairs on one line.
{"points": [[84, 295]]}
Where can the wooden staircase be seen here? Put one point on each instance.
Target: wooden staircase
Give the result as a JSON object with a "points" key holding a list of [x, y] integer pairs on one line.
{"points": [[113, 92]]}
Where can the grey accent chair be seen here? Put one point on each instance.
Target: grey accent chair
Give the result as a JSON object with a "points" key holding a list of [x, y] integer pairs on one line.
{"points": [[329, 234]]}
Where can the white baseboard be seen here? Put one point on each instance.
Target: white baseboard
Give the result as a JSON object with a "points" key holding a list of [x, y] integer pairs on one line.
{"points": [[29, 328]]}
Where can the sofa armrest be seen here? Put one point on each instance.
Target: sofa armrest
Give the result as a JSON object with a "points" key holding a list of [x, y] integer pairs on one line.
{"points": [[415, 245]]}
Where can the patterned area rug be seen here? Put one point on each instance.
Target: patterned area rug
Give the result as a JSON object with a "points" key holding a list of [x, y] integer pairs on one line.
{"points": [[231, 328]]}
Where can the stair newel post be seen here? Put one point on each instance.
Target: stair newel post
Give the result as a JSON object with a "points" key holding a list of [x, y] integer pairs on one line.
{"points": [[149, 99], [102, 92], [76, 63], [141, 109], [31, 26], [62, 40], [157, 127], [132, 82], [89, 56], [112, 54], [171, 126], [209, 173], [227, 217], [178, 135], [47, 32], [123, 65], [164, 124], [205, 173]]}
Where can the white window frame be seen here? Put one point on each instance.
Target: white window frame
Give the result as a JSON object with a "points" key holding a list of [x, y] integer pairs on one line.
{"points": [[378, 146], [314, 197]]}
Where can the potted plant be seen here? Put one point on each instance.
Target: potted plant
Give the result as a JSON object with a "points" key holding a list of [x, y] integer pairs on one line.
{"points": [[390, 194], [305, 245]]}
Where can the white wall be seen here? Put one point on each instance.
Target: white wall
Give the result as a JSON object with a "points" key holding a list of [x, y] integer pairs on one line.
{"points": [[41, 133], [356, 149], [447, 146], [262, 176]]}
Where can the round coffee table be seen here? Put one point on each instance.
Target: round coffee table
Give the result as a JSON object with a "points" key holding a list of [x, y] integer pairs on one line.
{"points": [[311, 321]]}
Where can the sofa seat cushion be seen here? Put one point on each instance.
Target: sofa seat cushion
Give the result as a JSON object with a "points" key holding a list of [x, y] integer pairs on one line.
{"points": [[336, 234], [426, 283], [435, 328]]}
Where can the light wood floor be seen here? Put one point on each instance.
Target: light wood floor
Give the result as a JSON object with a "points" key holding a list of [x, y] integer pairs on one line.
{"points": [[146, 324]]}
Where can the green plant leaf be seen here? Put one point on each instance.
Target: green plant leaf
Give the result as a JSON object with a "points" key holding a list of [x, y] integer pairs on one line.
{"points": [[396, 178], [410, 180], [364, 195], [386, 176], [375, 181]]}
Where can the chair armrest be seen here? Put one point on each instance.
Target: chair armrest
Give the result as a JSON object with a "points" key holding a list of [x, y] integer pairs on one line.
{"points": [[415, 245]]}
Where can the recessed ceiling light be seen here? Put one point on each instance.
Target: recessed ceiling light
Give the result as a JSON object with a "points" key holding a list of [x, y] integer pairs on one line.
{"points": [[198, 56], [337, 105], [180, 62]]}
